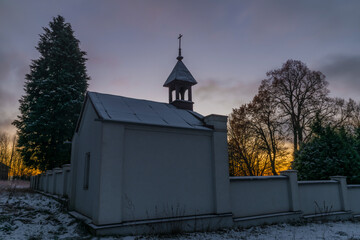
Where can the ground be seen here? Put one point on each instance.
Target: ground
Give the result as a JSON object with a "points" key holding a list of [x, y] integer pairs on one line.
{"points": [[25, 214]]}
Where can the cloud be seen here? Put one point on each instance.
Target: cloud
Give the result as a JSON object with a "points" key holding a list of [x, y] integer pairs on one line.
{"points": [[5, 123], [343, 74], [13, 68], [346, 68], [226, 91], [220, 96], [296, 21]]}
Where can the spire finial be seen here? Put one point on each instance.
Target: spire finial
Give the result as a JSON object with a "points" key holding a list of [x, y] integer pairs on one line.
{"points": [[180, 57]]}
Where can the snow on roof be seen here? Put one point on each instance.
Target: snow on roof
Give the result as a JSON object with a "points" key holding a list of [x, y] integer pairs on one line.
{"points": [[180, 73], [130, 110]]}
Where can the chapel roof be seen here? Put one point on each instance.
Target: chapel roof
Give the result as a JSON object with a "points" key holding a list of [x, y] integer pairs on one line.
{"points": [[131, 110]]}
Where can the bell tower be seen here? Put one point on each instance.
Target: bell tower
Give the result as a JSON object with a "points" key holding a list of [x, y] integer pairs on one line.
{"points": [[180, 81]]}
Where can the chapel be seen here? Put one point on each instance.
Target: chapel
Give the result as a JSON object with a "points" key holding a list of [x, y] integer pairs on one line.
{"points": [[139, 163]]}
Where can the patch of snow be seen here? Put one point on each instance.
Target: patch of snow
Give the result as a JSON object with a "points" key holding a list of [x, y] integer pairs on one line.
{"points": [[11, 184], [28, 215]]}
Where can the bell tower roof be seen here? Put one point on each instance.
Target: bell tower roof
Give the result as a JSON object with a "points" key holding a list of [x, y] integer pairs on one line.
{"points": [[180, 73]]}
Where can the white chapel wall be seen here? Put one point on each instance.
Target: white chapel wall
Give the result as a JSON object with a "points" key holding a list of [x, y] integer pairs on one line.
{"points": [[168, 173], [107, 204], [86, 140]]}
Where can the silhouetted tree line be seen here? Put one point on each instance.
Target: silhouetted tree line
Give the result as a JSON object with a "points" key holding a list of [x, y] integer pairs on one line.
{"points": [[282, 117]]}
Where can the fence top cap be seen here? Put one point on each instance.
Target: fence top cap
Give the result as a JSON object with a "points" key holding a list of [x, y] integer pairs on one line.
{"points": [[288, 171]]}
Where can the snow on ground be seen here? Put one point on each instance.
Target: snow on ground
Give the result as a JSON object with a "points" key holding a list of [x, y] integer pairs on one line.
{"points": [[14, 184], [28, 215], [25, 214]]}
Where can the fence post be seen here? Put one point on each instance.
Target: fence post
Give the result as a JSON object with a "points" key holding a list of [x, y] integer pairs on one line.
{"points": [[45, 182], [49, 179], [56, 171], [293, 189], [66, 179], [37, 178], [343, 191], [220, 163]]}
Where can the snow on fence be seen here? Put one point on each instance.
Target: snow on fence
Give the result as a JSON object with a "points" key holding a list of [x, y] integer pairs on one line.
{"points": [[257, 200]]}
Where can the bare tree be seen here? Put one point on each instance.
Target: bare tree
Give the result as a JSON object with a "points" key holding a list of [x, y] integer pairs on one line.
{"points": [[300, 94], [256, 139], [354, 119], [285, 108], [268, 128], [346, 114], [12, 158], [245, 155], [4, 145]]}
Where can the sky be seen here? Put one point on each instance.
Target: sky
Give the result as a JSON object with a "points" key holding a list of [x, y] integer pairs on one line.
{"points": [[228, 46]]}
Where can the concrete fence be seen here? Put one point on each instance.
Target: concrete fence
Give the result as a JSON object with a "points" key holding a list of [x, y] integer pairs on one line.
{"points": [[354, 199], [257, 200], [251, 196], [55, 182], [269, 199]]}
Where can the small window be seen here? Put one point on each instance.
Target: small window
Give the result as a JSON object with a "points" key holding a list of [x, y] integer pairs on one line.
{"points": [[86, 170]]}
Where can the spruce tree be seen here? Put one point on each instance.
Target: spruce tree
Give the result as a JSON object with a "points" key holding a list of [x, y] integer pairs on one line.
{"points": [[330, 152], [54, 93]]}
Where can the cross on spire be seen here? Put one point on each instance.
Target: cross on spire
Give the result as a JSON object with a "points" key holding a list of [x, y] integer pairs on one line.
{"points": [[180, 57]]}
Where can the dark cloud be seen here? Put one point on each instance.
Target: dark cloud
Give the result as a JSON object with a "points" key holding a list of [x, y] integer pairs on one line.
{"points": [[303, 19], [343, 74], [344, 68], [13, 68], [231, 92]]}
